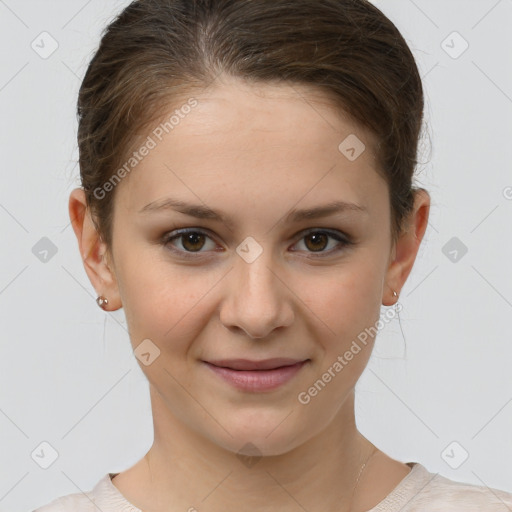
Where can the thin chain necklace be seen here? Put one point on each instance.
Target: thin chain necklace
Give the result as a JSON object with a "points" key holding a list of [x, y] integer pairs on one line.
{"points": [[359, 476]]}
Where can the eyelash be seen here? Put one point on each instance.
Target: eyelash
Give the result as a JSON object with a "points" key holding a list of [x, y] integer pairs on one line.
{"points": [[344, 240]]}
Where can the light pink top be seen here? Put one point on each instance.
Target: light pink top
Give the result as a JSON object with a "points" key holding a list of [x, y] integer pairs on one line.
{"points": [[419, 491]]}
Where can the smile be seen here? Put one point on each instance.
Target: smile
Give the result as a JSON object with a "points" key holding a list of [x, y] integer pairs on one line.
{"points": [[257, 380]]}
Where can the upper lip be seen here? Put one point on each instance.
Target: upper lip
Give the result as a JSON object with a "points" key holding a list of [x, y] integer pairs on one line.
{"points": [[247, 364]]}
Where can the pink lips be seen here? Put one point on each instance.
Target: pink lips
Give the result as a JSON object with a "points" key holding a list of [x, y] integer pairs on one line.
{"points": [[249, 375]]}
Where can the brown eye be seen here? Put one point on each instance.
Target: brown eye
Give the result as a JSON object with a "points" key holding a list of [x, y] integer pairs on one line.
{"points": [[319, 241], [316, 241], [192, 241]]}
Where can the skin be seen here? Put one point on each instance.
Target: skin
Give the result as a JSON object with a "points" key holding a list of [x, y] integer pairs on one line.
{"points": [[255, 152]]}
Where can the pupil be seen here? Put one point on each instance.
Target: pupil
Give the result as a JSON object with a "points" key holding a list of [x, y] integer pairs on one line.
{"points": [[318, 237], [193, 238]]}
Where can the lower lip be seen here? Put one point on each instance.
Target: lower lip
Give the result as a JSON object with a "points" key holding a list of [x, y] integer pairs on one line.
{"points": [[257, 380]]}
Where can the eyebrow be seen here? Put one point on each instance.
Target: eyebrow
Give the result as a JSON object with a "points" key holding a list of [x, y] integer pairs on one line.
{"points": [[204, 212]]}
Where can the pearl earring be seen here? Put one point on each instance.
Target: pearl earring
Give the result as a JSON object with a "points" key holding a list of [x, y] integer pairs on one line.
{"points": [[102, 302]]}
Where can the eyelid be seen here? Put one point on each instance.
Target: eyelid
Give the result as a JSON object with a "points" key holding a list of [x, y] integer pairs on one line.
{"points": [[344, 240], [175, 234]]}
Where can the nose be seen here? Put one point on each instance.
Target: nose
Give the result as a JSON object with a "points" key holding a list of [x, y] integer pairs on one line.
{"points": [[258, 299]]}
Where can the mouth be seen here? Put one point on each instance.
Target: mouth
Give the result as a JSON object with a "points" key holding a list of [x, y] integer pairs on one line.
{"points": [[249, 365], [256, 376]]}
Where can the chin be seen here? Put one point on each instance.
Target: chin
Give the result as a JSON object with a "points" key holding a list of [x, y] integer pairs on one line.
{"points": [[263, 435]]}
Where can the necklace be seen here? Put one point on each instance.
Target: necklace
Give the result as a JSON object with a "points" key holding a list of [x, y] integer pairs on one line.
{"points": [[359, 476]]}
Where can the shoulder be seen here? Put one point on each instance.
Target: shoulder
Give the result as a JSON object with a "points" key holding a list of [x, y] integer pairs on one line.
{"points": [[441, 494], [72, 502], [76, 502], [66, 503]]}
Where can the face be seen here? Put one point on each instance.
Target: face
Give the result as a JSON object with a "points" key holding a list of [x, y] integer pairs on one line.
{"points": [[255, 281]]}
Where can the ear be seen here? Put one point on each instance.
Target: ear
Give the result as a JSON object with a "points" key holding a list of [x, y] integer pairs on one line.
{"points": [[96, 259], [406, 247]]}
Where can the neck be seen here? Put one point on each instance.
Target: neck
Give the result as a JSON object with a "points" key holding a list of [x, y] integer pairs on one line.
{"points": [[191, 472]]}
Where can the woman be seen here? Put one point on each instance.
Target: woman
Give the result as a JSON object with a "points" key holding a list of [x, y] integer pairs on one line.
{"points": [[247, 199]]}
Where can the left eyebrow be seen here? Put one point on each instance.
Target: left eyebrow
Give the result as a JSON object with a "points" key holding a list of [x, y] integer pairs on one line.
{"points": [[324, 211], [205, 212]]}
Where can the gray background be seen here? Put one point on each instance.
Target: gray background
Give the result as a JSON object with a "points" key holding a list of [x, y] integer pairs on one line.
{"points": [[67, 373]]}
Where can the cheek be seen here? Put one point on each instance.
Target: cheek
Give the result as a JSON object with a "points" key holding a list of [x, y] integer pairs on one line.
{"points": [[347, 301], [163, 302], [349, 304]]}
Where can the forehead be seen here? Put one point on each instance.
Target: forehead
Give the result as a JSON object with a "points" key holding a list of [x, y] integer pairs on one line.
{"points": [[285, 111], [243, 142]]}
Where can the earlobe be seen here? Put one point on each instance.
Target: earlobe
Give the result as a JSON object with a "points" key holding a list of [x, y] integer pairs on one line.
{"points": [[93, 249]]}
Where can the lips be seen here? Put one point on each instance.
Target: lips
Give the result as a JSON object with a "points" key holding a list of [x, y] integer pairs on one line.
{"points": [[247, 364], [256, 376]]}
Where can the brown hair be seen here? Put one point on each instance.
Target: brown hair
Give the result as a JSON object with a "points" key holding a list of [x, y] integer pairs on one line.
{"points": [[158, 50]]}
